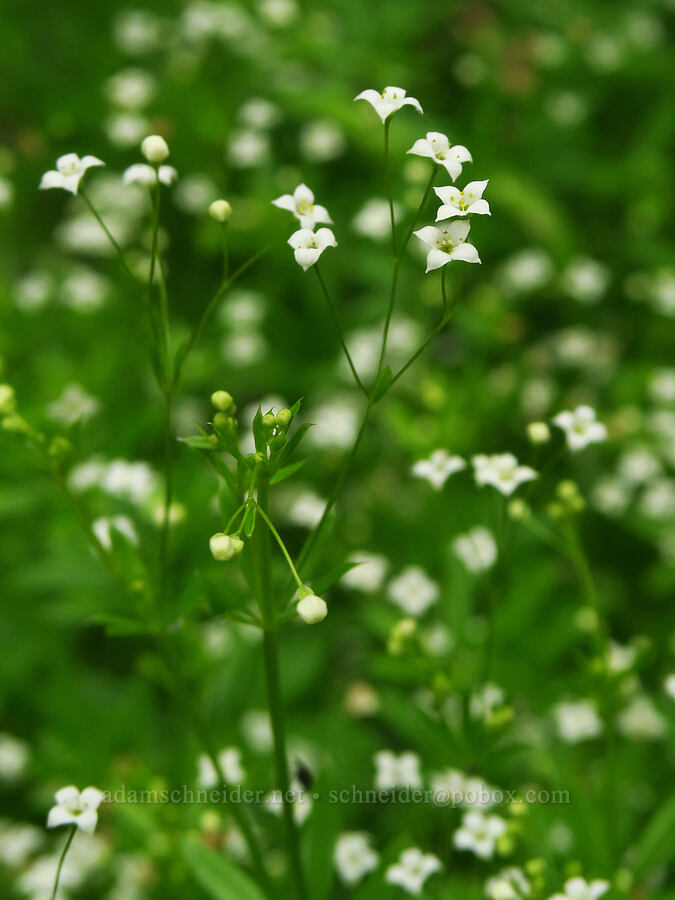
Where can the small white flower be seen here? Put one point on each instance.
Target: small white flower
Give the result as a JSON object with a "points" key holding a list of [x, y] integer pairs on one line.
{"points": [[321, 141], [502, 471], [578, 721], [485, 700], [580, 889], [69, 172], [104, 527], [476, 548], [368, 573], [580, 427], [220, 210], [509, 884], [142, 173], [309, 246], [447, 244], [74, 405], [479, 833], [392, 771], [669, 685], [229, 760], [413, 591], [641, 720], [412, 870], [301, 801], [224, 547], [311, 609], [437, 147], [373, 219], [14, 756], [585, 280], [301, 204], [438, 468], [389, 101], [354, 857], [462, 203], [75, 808]]}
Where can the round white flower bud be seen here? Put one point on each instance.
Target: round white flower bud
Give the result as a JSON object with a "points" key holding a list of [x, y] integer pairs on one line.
{"points": [[155, 149], [225, 546], [312, 609], [220, 210], [538, 433]]}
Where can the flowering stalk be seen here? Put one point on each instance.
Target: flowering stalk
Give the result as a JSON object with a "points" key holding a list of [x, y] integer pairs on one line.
{"points": [[62, 860], [338, 328]]}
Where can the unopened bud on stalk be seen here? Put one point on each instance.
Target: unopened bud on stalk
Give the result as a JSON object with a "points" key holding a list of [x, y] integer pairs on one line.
{"points": [[268, 421], [538, 433], [155, 149], [283, 419], [220, 210], [225, 546], [311, 609], [518, 509], [222, 400]]}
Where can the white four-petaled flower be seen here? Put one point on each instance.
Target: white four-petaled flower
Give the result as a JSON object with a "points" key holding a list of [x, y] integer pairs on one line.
{"points": [[502, 471], [389, 101], [354, 856], [309, 245], [580, 889], [412, 870], [68, 172], [479, 833], [76, 808], [580, 427], [142, 173], [438, 468], [301, 204], [462, 203], [437, 147], [447, 244], [394, 771]]}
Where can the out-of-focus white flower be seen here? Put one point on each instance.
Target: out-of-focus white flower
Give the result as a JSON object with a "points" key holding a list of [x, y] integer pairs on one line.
{"points": [[392, 771], [479, 833], [305, 508], [6, 193], [611, 495], [142, 173], [502, 471], [83, 289], [578, 721], [468, 202], [580, 427], [278, 13], [301, 204], [509, 884], [74, 405], [14, 756], [335, 424], [247, 149], [104, 527], [259, 113], [134, 481], [229, 760], [413, 591], [125, 129], [69, 172], [412, 870], [658, 499], [136, 31], [566, 108], [309, 245], [638, 464], [76, 808], [447, 244], [585, 280], [438, 468], [641, 720], [437, 147], [368, 574], [354, 856], [131, 88], [669, 685], [257, 730], [321, 141], [18, 843], [580, 889], [662, 385], [373, 219], [477, 549], [389, 101], [33, 291], [620, 658], [485, 700], [526, 271], [302, 802], [361, 700]]}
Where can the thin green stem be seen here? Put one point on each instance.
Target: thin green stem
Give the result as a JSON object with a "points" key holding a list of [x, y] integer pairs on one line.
{"points": [[165, 530], [266, 519], [62, 860], [225, 285], [390, 312], [112, 240], [261, 544], [226, 255], [390, 197], [338, 327], [427, 191]]}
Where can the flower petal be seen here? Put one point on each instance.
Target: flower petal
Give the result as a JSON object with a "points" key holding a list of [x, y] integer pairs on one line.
{"points": [[447, 193], [59, 815], [51, 179], [321, 214], [422, 147], [91, 798], [325, 238], [411, 101], [286, 201], [460, 153], [448, 212], [88, 161], [301, 238], [479, 208], [466, 253], [428, 235], [307, 256], [370, 95], [458, 231], [437, 258], [87, 820], [68, 797]]}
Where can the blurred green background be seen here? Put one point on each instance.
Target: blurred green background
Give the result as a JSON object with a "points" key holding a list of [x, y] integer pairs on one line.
{"points": [[567, 108]]}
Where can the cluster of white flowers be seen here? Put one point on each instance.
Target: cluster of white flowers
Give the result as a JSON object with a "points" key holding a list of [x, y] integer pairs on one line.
{"points": [[502, 471], [307, 244]]}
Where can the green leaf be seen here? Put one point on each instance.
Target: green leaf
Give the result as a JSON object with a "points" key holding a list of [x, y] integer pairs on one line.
{"points": [[381, 386], [249, 521], [221, 878], [296, 406], [655, 846], [198, 442], [286, 471], [318, 842], [120, 626], [293, 441], [333, 576], [259, 435]]}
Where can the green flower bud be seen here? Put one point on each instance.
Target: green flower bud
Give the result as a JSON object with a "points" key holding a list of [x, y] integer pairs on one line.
{"points": [[7, 399], [311, 609], [17, 424], [567, 490], [59, 449], [277, 442], [268, 421], [223, 421], [283, 419], [222, 401], [155, 149], [538, 433], [518, 509]]}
